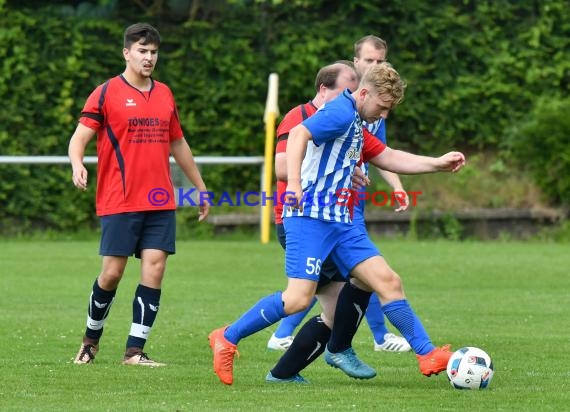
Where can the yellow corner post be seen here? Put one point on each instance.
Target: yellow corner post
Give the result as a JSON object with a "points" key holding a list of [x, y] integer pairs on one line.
{"points": [[269, 118]]}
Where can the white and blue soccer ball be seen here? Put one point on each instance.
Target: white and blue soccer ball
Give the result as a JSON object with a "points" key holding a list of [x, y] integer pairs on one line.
{"points": [[470, 368]]}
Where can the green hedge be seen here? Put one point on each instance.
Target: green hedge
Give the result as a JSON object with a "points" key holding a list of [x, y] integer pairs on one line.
{"points": [[541, 144], [474, 69]]}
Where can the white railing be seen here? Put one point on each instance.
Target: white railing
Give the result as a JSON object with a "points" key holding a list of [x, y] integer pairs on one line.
{"points": [[200, 160]]}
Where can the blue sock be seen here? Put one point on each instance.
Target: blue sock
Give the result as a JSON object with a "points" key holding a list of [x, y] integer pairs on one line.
{"points": [[288, 325], [375, 319], [402, 316], [263, 314]]}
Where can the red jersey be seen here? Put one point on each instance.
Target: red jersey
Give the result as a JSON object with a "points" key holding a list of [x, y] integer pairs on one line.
{"points": [[134, 132], [371, 147], [294, 117]]}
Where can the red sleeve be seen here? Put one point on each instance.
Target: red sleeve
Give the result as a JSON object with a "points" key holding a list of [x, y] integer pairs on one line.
{"points": [[92, 115], [281, 146], [371, 147], [291, 119]]}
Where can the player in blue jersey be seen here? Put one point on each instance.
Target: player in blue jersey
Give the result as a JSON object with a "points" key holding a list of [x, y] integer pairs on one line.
{"points": [[368, 51], [330, 81], [318, 332], [322, 153]]}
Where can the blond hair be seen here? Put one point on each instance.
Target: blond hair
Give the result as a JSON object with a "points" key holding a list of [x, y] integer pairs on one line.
{"points": [[384, 79]]}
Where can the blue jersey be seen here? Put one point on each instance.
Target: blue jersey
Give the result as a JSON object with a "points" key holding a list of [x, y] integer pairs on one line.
{"points": [[328, 165], [378, 129]]}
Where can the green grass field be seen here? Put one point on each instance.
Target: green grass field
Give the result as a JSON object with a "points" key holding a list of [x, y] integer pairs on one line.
{"points": [[511, 299]]}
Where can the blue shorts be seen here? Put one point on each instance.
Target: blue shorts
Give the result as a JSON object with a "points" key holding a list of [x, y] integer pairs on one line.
{"points": [[310, 241], [329, 272], [126, 234], [359, 222]]}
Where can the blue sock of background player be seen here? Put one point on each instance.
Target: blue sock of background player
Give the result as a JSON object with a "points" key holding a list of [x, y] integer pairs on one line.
{"points": [[375, 319]]}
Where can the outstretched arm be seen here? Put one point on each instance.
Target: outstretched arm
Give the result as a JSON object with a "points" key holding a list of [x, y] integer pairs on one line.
{"points": [[398, 161]]}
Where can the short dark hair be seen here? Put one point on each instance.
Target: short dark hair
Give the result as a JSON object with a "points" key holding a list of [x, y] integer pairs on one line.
{"points": [[328, 75], [377, 42], [138, 32]]}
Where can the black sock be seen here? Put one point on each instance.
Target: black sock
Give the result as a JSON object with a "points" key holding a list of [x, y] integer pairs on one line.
{"points": [[307, 346], [145, 309], [350, 309], [100, 303]]}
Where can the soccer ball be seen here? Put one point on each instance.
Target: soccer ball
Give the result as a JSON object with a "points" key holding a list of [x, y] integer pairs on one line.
{"points": [[470, 368]]}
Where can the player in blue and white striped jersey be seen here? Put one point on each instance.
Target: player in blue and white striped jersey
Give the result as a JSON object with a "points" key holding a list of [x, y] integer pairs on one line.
{"points": [[335, 133], [326, 170], [368, 51]]}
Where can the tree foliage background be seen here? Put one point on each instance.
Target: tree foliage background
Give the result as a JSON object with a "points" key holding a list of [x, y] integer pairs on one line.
{"points": [[480, 75]]}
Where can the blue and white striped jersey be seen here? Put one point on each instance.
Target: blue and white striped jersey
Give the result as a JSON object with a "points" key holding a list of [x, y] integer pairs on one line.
{"points": [[328, 165]]}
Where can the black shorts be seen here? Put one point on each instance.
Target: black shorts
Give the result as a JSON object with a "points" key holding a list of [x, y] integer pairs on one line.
{"points": [[329, 272], [126, 234]]}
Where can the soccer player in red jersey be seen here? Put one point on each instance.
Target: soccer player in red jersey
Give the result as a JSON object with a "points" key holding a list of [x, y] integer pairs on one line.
{"points": [[137, 126]]}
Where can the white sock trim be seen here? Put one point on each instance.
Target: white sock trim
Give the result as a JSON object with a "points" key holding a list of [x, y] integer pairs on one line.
{"points": [[139, 331], [95, 324]]}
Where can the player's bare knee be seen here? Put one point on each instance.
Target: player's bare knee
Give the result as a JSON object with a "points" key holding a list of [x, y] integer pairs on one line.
{"points": [[395, 281], [391, 290], [109, 278], [156, 266], [304, 302], [154, 271]]}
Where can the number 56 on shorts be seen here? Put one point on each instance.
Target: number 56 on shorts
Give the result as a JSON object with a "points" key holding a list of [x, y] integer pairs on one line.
{"points": [[313, 266]]}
